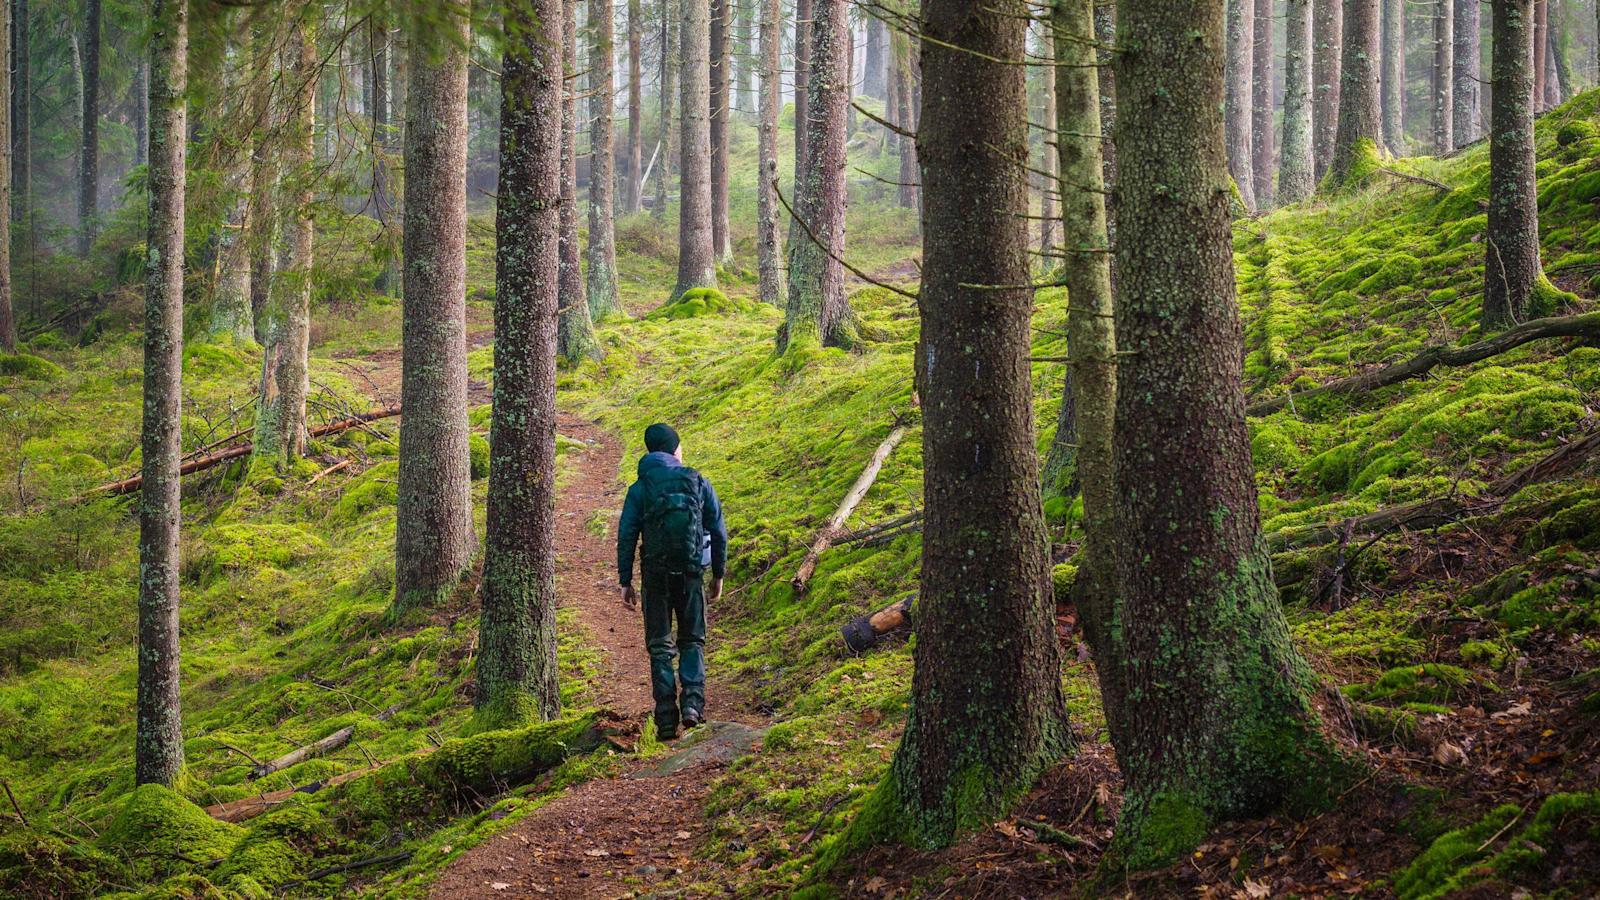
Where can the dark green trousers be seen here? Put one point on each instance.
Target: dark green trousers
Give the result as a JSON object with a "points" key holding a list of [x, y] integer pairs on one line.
{"points": [[675, 599]]}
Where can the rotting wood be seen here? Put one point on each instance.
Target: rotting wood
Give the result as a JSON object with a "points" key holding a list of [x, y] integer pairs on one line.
{"points": [[316, 748], [830, 531], [1586, 326], [250, 807], [201, 463], [863, 632]]}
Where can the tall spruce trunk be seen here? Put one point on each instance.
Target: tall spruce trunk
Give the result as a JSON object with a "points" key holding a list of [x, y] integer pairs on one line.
{"points": [[22, 115], [1559, 85], [1467, 118], [89, 131], [265, 147], [1237, 99], [434, 537], [8, 320], [516, 669], [1356, 143], [602, 275], [768, 268], [1091, 395], [575, 337], [1263, 134], [1205, 695], [721, 60], [1327, 35], [231, 314], [1444, 76], [280, 432], [1297, 174], [1541, 52], [802, 72], [632, 186], [1050, 187], [891, 94], [158, 741], [668, 96], [696, 253], [383, 142], [1105, 31], [987, 713], [743, 55], [1392, 75], [874, 81], [1512, 271], [817, 309], [907, 118]]}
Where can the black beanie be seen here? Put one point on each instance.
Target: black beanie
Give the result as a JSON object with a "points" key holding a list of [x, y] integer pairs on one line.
{"points": [[660, 438]]}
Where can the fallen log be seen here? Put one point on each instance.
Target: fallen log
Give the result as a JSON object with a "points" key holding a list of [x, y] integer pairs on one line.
{"points": [[830, 531], [250, 807], [1440, 510], [1586, 326], [891, 528], [315, 748], [862, 633], [201, 463]]}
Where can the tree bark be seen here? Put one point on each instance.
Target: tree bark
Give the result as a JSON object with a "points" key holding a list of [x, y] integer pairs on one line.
{"points": [[907, 119], [1512, 269], [1297, 174], [158, 743], [1206, 699], [8, 322], [602, 275], [1050, 186], [516, 669], [743, 55], [231, 313], [633, 186], [22, 120], [1392, 75], [434, 536], [1262, 133], [575, 337], [1327, 34], [987, 713], [802, 73], [286, 319], [697, 265], [874, 82], [382, 145], [818, 309], [1559, 83], [89, 131], [1541, 52], [1359, 126], [721, 60], [1444, 76], [669, 93], [1237, 98], [1467, 118], [771, 98]]}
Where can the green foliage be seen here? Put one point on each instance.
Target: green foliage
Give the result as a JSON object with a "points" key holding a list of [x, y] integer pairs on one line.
{"points": [[478, 446]]}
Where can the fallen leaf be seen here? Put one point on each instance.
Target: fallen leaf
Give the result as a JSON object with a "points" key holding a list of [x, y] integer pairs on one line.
{"points": [[596, 853], [1256, 890], [499, 885], [1520, 709], [683, 835], [875, 884], [1448, 754]]}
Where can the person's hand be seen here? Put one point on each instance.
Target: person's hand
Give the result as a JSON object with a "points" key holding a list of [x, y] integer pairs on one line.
{"points": [[630, 597], [716, 590]]}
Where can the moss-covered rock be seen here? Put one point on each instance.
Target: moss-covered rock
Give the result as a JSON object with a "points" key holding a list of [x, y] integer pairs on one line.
{"points": [[276, 849], [1492, 851], [161, 833], [32, 368]]}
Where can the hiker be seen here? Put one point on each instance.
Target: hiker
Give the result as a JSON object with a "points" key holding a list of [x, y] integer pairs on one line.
{"points": [[674, 510]]}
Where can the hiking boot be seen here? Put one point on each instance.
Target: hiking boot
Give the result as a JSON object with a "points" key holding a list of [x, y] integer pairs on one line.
{"points": [[693, 718], [666, 734]]}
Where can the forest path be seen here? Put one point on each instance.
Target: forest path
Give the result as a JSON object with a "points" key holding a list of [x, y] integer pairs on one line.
{"points": [[632, 833]]}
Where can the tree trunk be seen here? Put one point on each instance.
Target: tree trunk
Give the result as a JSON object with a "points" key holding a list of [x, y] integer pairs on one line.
{"points": [[575, 338], [907, 119], [22, 122], [89, 131], [1262, 133], [1356, 144], [286, 319], [8, 321], [382, 145], [1466, 119], [1541, 52], [669, 92], [721, 241], [743, 55], [1512, 270], [891, 93], [158, 744], [632, 186], [434, 537], [516, 666], [1092, 375], [1297, 174], [1237, 100], [1206, 698], [1105, 31], [602, 275], [874, 84], [1558, 86], [1050, 185], [818, 309], [768, 268], [1392, 75], [697, 266], [987, 713], [1327, 34], [1444, 77], [802, 72], [231, 313]]}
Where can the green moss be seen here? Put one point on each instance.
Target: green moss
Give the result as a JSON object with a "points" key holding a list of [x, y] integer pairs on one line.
{"points": [[1493, 848], [1157, 834], [478, 447], [42, 865], [1428, 682], [697, 302], [32, 368], [276, 849], [161, 833], [250, 546], [1399, 269], [1486, 653], [375, 488]]}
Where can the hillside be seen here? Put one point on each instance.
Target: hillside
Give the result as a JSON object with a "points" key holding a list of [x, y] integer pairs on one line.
{"points": [[1462, 657]]}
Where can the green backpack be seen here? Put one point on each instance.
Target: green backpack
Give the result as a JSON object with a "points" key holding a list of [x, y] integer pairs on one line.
{"points": [[674, 531]]}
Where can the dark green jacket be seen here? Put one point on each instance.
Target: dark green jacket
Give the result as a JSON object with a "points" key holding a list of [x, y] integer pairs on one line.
{"points": [[713, 556]]}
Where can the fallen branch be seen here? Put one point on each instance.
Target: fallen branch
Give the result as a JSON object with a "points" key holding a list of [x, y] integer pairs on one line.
{"points": [[336, 467], [397, 856], [891, 528], [830, 531], [1441, 510], [316, 748], [13, 798], [250, 807], [1586, 326], [1417, 179], [201, 463]]}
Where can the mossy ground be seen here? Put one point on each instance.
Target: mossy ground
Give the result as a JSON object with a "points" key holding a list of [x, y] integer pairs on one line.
{"points": [[286, 581]]}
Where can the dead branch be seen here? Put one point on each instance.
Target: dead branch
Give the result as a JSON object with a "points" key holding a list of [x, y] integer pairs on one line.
{"points": [[1586, 326], [830, 531], [250, 807], [316, 748], [1418, 179], [892, 526]]}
